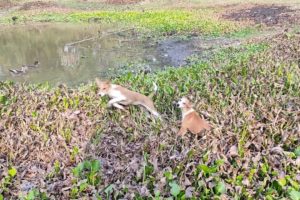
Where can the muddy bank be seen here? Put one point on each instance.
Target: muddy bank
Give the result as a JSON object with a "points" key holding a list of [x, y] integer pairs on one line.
{"points": [[177, 51]]}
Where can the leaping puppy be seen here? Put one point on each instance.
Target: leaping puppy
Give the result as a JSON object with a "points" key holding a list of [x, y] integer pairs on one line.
{"points": [[121, 96], [191, 121]]}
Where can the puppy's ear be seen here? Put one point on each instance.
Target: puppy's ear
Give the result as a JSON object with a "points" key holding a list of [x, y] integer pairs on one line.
{"points": [[189, 102], [106, 82], [98, 82], [186, 98]]}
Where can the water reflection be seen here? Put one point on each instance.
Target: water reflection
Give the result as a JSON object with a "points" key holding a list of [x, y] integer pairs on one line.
{"points": [[62, 62], [69, 56]]}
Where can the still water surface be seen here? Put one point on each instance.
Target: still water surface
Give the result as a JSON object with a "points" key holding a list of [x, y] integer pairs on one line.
{"points": [[71, 64]]}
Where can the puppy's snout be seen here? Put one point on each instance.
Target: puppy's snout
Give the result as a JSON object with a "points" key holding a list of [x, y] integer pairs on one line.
{"points": [[175, 103]]}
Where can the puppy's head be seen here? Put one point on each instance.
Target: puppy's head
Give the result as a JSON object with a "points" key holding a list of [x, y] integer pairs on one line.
{"points": [[103, 86], [184, 103]]}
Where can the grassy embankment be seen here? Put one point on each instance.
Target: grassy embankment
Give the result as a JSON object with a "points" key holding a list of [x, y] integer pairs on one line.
{"points": [[250, 95], [157, 23]]}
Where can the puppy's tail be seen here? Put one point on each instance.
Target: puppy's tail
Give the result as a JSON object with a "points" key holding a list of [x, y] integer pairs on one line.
{"points": [[154, 90]]}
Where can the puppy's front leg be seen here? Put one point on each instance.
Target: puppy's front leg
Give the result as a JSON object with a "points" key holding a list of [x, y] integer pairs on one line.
{"points": [[182, 131], [115, 100]]}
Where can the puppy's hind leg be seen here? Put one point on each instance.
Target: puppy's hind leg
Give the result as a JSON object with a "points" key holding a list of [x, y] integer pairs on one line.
{"points": [[121, 107], [118, 106], [115, 100], [153, 111]]}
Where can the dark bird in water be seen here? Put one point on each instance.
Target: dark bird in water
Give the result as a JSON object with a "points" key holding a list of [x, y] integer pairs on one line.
{"points": [[14, 18], [23, 70], [35, 64]]}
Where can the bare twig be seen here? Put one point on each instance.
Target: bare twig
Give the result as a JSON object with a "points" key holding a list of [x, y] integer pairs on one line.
{"points": [[95, 37], [77, 42]]}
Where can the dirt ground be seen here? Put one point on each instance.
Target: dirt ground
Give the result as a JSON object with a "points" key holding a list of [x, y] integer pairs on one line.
{"points": [[37, 5], [5, 4], [269, 15], [31, 5], [122, 1]]}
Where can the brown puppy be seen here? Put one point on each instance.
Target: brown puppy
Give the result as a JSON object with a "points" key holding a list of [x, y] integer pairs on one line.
{"points": [[121, 96], [191, 121]]}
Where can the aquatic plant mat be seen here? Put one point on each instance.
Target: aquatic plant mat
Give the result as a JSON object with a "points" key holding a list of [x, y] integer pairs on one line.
{"points": [[62, 143]]}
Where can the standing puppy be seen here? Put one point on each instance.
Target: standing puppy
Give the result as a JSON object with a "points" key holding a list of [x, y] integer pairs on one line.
{"points": [[191, 121], [121, 96]]}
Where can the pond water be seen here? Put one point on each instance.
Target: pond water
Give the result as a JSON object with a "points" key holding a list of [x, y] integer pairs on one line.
{"points": [[61, 62], [64, 62]]}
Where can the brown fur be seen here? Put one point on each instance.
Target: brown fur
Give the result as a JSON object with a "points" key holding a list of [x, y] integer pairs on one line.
{"points": [[191, 120], [121, 96]]}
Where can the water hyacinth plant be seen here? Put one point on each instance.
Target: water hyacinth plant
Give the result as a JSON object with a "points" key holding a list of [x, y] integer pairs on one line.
{"points": [[250, 95]]}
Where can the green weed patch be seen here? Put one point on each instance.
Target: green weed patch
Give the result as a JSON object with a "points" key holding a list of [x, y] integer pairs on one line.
{"points": [[161, 22]]}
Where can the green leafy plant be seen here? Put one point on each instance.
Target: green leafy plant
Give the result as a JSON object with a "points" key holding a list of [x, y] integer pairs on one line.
{"points": [[109, 190], [67, 134], [175, 188], [297, 151], [220, 188], [35, 194], [89, 170], [87, 173], [3, 99], [7, 181], [294, 195], [74, 153]]}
